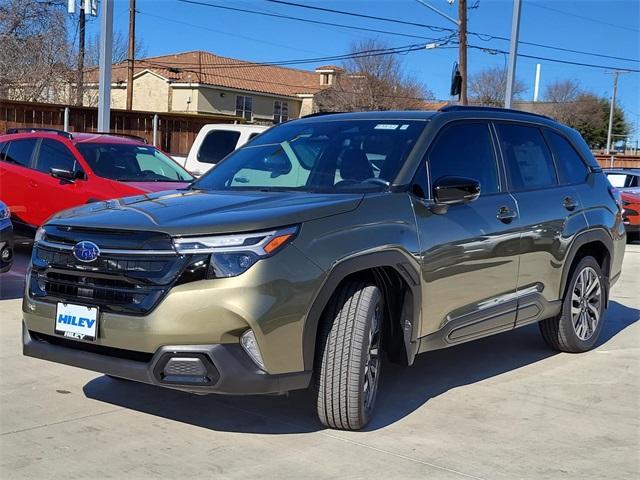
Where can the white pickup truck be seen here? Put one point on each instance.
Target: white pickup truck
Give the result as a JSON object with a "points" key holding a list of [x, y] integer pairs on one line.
{"points": [[214, 142]]}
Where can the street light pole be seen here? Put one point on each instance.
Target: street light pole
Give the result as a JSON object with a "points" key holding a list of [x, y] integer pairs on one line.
{"points": [[513, 54], [104, 78]]}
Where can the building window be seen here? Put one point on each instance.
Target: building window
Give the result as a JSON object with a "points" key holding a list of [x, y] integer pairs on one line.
{"points": [[324, 79], [244, 107], [280, 111]]}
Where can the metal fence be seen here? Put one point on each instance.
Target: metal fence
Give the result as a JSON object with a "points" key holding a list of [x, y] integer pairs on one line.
{"points": [[174, 132]]}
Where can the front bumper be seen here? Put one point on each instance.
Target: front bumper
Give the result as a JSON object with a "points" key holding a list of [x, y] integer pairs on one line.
{"points": [[227, 368]]}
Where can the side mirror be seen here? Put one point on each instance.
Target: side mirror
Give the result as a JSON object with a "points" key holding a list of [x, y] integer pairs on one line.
{"points": [[455, 190], [67, 174]]}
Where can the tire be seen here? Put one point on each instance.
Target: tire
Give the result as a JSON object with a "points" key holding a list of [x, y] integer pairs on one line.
{"points": [[348, 358], [574, 331]]}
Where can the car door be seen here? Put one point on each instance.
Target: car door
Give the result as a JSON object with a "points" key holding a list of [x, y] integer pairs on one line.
{"points": [[550, 215], [55, 194], [469, 252], [16, 178]]}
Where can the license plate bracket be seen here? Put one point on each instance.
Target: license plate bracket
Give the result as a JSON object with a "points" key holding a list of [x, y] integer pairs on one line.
{"points": [[79, 322]]}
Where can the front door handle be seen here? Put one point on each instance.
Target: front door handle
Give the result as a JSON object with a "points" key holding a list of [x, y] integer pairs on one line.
{"points": [[569, 203], [506, 215]]}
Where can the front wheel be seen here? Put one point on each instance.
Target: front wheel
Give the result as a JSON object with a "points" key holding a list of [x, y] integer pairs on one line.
{"points": [[578, 326], [348, 360]]}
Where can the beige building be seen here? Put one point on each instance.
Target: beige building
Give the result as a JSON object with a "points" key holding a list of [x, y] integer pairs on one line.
{"points": [[200, 82]]}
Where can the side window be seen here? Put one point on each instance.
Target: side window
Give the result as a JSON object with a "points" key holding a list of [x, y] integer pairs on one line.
{"points": [[2, 147], [529, 162], [634, 181], [465, 150], [20, 151], [570, 166], [217, 145], [54, 154]]}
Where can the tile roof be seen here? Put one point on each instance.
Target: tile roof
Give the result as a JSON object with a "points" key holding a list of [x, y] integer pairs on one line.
{"points": [[210, 69]]}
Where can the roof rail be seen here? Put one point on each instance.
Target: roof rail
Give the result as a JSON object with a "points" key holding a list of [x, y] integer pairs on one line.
{"points": [[463, 108], [37, 129], [319, 114], [126, 135]]}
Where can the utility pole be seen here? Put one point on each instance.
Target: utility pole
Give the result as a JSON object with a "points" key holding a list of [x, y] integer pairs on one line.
{"points": [[461, 23], [104, 79], [536, 85], [80, 72], [462, 49], [513, 54], [611, 109], [131, 54]]}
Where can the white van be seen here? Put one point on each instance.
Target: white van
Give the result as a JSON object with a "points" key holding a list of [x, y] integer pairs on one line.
{"points": [[214, 142]]}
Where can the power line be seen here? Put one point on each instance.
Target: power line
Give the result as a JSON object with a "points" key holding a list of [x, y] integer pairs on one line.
{"points": [[306, 20], [481, 36], [280, 63], [556, 60], [582, 17], [280, 83], [237, 35]]}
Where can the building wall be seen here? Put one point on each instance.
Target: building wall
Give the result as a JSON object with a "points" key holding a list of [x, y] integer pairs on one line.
{"points": [[213, 100]]}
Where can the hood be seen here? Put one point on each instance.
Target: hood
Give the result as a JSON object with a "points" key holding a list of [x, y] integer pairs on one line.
{"points": [[148, 187], [194, 212]]}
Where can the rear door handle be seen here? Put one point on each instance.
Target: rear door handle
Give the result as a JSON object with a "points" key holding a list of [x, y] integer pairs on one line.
{"points": [[506, 215], [569, 203]]}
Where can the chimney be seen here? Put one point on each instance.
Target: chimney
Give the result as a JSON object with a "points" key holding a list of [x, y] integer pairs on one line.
{"points": [[328, 74]]}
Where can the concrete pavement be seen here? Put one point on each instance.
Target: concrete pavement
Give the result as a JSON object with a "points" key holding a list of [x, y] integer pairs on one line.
{"points": [[504, 407]]}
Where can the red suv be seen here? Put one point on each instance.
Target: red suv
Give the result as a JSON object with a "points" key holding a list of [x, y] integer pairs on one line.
{"points": [[43, 171]]}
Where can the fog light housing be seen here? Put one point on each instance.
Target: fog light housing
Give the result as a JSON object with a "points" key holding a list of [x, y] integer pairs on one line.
{"points": [[250, 345], [6, 254]]}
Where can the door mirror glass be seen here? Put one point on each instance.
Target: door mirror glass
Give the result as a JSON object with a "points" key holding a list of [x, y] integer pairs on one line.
{"points": [[454, 190], [67, 174]]}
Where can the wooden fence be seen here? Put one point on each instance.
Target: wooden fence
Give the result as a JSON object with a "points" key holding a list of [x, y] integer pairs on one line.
{"points": [[176, 131], [618, 161]]}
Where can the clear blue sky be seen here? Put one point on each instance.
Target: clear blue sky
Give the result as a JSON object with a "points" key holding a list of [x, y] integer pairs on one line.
{"points": [[607, 27]]}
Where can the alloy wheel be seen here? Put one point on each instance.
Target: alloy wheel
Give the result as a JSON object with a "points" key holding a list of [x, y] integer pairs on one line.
{"points": [[372, 364], [586, 303]]}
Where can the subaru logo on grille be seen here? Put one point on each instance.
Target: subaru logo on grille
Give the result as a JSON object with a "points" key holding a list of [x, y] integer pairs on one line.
{"points": [[86, 251]]}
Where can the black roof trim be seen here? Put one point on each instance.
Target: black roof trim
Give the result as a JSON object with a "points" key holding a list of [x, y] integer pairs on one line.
{"points": [[475, 108], [36, 129]]}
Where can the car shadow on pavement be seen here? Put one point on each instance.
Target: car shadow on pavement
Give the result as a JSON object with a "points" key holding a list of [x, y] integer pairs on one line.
{"points": [[402, 391]]}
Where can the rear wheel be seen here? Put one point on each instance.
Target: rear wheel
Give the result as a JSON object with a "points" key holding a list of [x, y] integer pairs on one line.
{"points": [[578, 326], [348, 360]]}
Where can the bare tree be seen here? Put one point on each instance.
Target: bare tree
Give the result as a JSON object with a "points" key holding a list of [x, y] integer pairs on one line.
{"points": [[119, 52], [376, 82], [35, 51], [488, 87], [562, 91]]}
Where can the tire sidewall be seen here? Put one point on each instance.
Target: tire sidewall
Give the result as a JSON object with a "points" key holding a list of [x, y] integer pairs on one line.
{"points": [[376, 301]]}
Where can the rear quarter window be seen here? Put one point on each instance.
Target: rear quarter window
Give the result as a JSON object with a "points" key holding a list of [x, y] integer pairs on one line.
{"points": [[571, 167]]}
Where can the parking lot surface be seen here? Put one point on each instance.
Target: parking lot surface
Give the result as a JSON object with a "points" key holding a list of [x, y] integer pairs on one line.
{"points": [[504, 407]]}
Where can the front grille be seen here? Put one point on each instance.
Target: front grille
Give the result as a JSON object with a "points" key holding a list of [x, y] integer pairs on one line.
{"points": [[132, 283]]}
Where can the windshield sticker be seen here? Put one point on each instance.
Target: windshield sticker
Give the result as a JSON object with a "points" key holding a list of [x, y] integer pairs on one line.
{"points": [[386, 126]]}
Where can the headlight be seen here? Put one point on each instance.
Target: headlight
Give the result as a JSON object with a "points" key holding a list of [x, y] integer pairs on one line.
{"points": [[5, 213], [231, 255], [39, 234]]}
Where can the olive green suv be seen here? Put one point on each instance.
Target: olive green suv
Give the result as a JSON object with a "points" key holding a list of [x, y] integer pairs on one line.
{"points": [[326, 243]]}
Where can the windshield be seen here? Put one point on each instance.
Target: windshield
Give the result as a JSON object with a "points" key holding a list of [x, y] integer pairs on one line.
{"points": [[132, 163], [320, 156]]}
